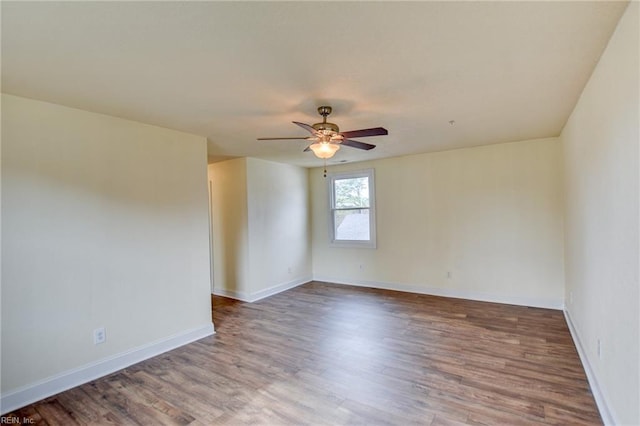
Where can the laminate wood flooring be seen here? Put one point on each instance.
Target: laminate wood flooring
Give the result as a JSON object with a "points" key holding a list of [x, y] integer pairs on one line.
{"points": [[323, 354]]}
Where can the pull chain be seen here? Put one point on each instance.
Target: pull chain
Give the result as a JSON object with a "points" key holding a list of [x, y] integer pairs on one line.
{"points": [[325, 167]]}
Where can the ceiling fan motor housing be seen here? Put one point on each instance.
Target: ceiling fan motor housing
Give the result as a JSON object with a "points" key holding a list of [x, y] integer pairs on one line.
{"points": [[325, 127], [332, 128]]}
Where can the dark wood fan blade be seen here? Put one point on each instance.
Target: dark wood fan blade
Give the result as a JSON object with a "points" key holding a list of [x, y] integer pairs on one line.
{"points": [[278, 139], [356, 144], [376, 131], [306, 127], [307, 149]]}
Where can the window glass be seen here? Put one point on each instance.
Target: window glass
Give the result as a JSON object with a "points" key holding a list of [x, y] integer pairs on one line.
{"points": [[352, 192], [352, 209]]}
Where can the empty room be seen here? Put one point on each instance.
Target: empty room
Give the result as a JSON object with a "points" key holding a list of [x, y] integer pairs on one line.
{"points": [[320, 213]]}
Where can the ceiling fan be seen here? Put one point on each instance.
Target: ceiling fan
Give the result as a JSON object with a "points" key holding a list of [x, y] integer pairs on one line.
{"points": [[327, 137]]}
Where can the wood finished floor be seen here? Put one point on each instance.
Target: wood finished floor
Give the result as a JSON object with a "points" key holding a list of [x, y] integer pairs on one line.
{"points": [[330, 354]]}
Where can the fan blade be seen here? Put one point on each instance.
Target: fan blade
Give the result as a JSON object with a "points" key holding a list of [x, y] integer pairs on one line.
{"points": [[306, 127], [356, 144], [307, 149], [376, 131], [279, 139]]}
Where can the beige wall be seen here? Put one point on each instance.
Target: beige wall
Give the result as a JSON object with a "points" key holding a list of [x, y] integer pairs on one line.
{"points": [[279, 244], [600, 143], [260, 219], [491, 217], [230, 253], [104, 224]]}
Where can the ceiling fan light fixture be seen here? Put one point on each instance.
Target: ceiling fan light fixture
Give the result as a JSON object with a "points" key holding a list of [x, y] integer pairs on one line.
{"points": [[324, 150]]}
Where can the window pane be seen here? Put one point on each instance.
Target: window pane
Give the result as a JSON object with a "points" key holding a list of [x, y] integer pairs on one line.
{"points": [[351, 225], [352, 192]]}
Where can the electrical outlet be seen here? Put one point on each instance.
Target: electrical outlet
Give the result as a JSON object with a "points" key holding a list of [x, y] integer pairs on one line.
{"points": [[449, 274], [99, 336]]}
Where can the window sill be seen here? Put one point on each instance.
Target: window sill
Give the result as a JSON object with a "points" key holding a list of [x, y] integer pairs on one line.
{"points": [[353, 244]]}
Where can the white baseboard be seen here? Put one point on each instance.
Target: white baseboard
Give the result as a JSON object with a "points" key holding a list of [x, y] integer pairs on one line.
{"points": [[557, 304], [254, 297], [601, 402], [78, 376]]}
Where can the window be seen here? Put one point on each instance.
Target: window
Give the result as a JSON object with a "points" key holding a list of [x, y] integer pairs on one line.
{"points": [[352, 202]]}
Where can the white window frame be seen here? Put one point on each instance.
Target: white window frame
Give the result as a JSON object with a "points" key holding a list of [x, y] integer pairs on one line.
{"points": [[331, 178]]}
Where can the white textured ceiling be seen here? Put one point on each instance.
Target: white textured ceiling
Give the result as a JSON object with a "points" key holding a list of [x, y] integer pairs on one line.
{"points": [[235, 71]]}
